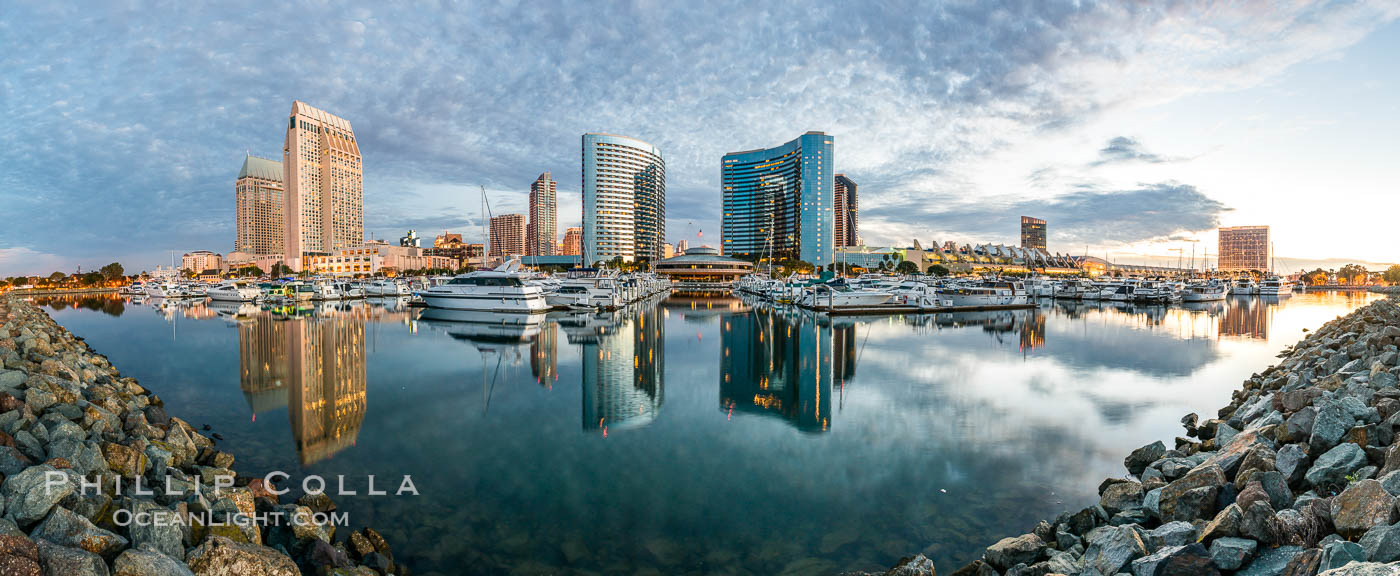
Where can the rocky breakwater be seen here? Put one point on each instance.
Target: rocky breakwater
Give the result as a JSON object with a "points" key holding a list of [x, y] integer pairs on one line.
{"points": [[99, 480], [1298, 476]]}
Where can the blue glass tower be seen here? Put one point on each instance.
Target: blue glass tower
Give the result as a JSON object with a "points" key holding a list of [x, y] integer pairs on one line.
{"points": [[779, 202]]}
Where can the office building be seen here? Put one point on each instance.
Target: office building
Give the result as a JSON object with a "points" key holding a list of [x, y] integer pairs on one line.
{"points": [[1032, 233], [1244, 248], [323, 206], [258, 197], [411, 240], [507, 235], [540, 233], [682, 246], [624, 199], [779, 202], [573, 241], [846, 212]]}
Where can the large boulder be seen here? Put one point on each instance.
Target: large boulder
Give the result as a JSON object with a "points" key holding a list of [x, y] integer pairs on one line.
{"points": [[1360, 507], [1189, 560], [68, 561], [1008, 552], [1330, 425], [1231, 553], [219, 556], [1113, 548], [147, 562], [1364, 569], [1179, 502], [1121, 496], [29, 495], [1382, 543], [1271, 562], [1331, 469], [1140, 459], [70, 529], [1340, 553], [18, 556]]}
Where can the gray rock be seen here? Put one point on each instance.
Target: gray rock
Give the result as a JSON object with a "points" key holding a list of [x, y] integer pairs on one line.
{"points": [[62, 560], [1112, 548], [1121, 496], [1151, 501], [1382, 544], [28, 496], [38, 399], [145, 562], [1271, 562], [1341, 552], [1140, 459], [1171, 534], [1189, 559], [220, 556], [1366, 569], [1331, 424], [1332, 468], [1064, 539], [12, 461], [70, 529], [1179, 502], [1391, 483], [1231, 553], [1361, 506], [162, 534], [1008, 552], [11, 378]]}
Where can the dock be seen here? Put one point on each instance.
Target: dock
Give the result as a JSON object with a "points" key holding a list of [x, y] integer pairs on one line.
{"points": [[905, 309]]}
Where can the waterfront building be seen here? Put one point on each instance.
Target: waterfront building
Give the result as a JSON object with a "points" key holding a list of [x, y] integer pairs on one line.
{"points": [[507, 235], [542, 230], [1244, 248], [668, 250], [703, 267], [624, 199], [556, 261], [623, 375], [235, 261], [780, 201], [449, 245], [411, 240], [323, 206], [846, 204], [573, 241], [258, 198], [375, 257], [682, 246], [201, 260], [1032, 233]]}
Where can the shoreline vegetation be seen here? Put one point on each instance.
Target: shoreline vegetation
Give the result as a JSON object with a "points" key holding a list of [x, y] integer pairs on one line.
{"points": [[1298, 476], [99, 480]]}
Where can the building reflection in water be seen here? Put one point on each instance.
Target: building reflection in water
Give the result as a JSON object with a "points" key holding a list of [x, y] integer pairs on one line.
{"points": [[623, 368], [544, 352], [315, 366], [784, 366], [1247, 318]]}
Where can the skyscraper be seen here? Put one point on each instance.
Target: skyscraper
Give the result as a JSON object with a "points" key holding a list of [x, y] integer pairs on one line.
{"points": [[323, 208], [540, 232], [507, 235], [846, 207], [624, 199], [573, 241], [782, 195], [1032, 233], [1244, 248], [258, 204]]}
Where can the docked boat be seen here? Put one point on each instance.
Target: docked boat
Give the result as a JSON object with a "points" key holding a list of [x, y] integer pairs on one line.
{"points": [[349, 290], [1075, 289], [386, 287], [500, 290], [1209, 291], [1275, 286], [134, 288], [836, 295], [165, 290], [984, 294], [234, 292], [572, 296], [1245, 287], [603, 290]]}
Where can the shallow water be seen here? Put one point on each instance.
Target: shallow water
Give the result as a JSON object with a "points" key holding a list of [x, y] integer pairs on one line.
{"points": [[697, 434]]}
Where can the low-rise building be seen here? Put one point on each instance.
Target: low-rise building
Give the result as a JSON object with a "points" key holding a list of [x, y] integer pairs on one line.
{"points": [[378, 257], [201, 260], [702, 267], [235, 261]]}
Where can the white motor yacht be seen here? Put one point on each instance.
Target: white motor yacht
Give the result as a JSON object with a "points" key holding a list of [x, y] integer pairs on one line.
{"points": [[349, 290], [500, 290], [165, 290], [1245, 287], [572, 296], [1209, 291], [983, 294], [135, 288], [234, 292], [839, 295], [386, 287], [603, 290], [1275, 286]]}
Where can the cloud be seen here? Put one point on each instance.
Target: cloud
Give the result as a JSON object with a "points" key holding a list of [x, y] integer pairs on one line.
{"points": [[126, 126], [1123, 149]]}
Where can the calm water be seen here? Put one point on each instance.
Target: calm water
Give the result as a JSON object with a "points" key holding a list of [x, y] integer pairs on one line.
{"points": [[698, 434]]}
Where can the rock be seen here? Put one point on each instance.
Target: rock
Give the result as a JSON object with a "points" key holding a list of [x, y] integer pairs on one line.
{"points": [[323, 554], [146, 562], [124, 460], [918, 565], [1121, 496], [18, 556], [62, 560], [1340, 553], [1259, 523], [1231, 553], [1171, 534], [1225, 524], [1330, 425], [1361, 506], [1008, 552], [1179, 502], [1382, 544], [28, 497], [1271, 562], [162, 533], [69, 529], [1391, 483], [976, 568], [219, 556], [1366, 569], [1112, 548], [1140, 459], [1188, 560], [1332, 468], [1292, 462]]}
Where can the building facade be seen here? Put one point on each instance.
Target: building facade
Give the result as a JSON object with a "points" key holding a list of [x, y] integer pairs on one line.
{"points": [[507, 235], [323, 209], [780, 201], [1032, 233], [624, 199], [411, 240], [258, 199], [201, 260], [377, 257], [235, 261], [573, 241], [542, 231], [846, 212], [1244, 248]]}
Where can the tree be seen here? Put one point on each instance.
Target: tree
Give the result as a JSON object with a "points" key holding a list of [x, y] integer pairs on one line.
{"points": [[280, 269], [938, 270], [1392, 275], [1352, 272], [57, 277], [250, 270], [112, 271], [907, 267]]}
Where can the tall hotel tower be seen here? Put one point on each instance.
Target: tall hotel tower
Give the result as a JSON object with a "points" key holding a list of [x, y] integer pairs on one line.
{"points": [[258, 203], [324, 209], [624, 199], [782, 195], [541, 232]]}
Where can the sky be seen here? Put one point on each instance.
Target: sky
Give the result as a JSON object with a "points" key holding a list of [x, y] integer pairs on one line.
{"points": [[1134, 128]]}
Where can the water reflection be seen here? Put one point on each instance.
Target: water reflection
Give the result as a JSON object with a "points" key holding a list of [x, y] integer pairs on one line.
{"points": [[109, 304], [623, 376], [784, 365], [1248, 317]]}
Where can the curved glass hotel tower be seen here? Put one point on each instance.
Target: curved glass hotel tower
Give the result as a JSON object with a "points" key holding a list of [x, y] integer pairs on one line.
{"points": [[624, 199], [787, 188]]}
